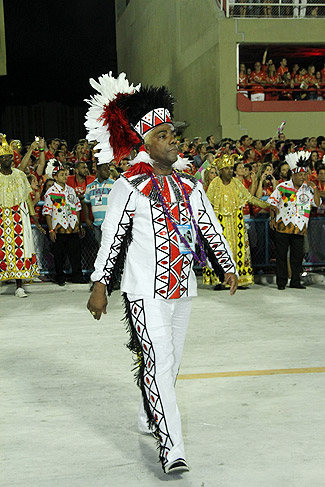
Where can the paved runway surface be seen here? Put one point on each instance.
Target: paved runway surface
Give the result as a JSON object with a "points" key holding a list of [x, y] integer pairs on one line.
{"points": [[251, 392]]}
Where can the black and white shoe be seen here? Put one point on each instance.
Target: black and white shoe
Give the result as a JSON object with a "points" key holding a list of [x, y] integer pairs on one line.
{"points": [[179, 465]]}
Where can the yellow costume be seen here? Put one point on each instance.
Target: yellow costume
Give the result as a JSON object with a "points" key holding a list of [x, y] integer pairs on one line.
{"points": [[17, 255], [228, 201]]}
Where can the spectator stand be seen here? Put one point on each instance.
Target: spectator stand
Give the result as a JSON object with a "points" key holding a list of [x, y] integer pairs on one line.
{"points": [[278, 9]]}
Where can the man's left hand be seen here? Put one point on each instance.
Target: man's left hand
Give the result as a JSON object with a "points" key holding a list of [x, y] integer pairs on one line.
{"points": [[232, 280]]}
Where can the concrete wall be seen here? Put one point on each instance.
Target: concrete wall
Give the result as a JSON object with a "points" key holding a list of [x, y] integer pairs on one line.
{"points": [[189, 46]]}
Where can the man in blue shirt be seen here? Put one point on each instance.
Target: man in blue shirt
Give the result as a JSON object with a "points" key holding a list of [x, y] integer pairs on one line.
{"points": [[96, 199]]}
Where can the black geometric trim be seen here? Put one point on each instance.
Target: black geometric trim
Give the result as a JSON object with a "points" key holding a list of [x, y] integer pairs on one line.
{"points": [[117, 252], [138, 180], [213, 245], [145, 366]]}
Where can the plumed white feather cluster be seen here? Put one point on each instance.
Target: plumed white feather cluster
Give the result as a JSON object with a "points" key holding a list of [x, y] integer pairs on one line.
{"points": [[108, 88], [293, 158], [181, 164]]}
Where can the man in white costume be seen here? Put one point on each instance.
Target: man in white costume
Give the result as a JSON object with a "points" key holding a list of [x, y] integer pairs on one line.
{"points": [[155, 217]]}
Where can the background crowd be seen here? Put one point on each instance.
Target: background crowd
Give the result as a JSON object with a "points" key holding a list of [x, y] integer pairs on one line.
{"points": [[264, 80], [260, 169]]}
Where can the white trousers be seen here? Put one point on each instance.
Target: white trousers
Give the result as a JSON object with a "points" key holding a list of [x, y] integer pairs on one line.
{"points": [[160, 327]]}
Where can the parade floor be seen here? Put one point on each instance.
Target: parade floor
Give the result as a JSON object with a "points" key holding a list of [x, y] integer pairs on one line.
{"points": [[251, 392]]}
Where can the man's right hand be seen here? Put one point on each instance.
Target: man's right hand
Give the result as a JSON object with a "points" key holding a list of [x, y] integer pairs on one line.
{"points": [[97, 302], [52, 236]]}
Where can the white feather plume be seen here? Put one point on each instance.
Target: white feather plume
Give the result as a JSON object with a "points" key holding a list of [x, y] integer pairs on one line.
{"points": [[108, 88], [182, 163]]}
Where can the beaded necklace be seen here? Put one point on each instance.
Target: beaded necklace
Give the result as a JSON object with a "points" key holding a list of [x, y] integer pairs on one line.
{"points": [[165, 204]]}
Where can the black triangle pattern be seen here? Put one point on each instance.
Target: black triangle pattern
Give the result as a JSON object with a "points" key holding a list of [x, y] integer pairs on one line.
{"points": [[152, 393], [115, 248], [215, 239], [165, 267]]}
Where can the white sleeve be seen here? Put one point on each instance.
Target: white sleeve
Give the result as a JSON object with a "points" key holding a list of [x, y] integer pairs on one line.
{"points": [[118, 218], [212, 232]]}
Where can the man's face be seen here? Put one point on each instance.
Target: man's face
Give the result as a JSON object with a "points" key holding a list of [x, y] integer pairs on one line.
{"points": [[227, 173], [6, 161], [212, 140], [257, 67], [124, 164], [246, 171], [254, 167], [246, 142], [61, 156], [258, 145], [240, 170], [82, 169], [321, 175], [103, 171], [61, 177], [299, 178], [284, 171], [322, 145], [313, 142], [54, 145], [284, 62], [161, 145], [242, 67], [203, 149]]}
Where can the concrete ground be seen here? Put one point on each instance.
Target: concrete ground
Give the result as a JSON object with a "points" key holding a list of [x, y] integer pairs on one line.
{"points": [[251, 392]]}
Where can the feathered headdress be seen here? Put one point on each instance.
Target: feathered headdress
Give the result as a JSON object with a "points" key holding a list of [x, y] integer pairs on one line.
{"points": [[120, 115], [298, 161]]}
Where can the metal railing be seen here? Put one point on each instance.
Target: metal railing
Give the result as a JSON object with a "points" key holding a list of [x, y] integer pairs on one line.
{"points": [[260, 237], [296, 9]]}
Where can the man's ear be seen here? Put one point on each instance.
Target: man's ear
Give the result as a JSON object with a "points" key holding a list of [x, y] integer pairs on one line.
{"points": [[147, 148]]}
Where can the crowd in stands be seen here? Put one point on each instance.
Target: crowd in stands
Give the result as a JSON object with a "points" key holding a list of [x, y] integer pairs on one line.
{"points": [[267, 82], [265, 9], [261, 166]]}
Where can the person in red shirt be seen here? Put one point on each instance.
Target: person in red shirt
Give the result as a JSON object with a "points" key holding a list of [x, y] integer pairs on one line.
{"points": [[283, 68], [244, 144], [272, 80], [52, 145], [320, 183], [286, 82], [257, 80], [312, 84], [320, 147], [266, 183], [295, 71], [80, 180]]}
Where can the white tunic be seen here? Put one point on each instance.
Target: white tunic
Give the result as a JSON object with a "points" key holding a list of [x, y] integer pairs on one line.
{"points": [[154, 266]]}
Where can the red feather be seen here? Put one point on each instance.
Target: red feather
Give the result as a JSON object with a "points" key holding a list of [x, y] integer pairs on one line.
{"points": [[122, 137], [139, 168]]}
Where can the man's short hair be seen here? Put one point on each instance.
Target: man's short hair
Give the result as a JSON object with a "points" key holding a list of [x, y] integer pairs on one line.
{"points": [[242, 138], [78, 164], [208, 138]]}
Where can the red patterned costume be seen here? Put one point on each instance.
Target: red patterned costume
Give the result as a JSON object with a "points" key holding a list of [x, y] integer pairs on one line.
{"points": [[149, 232], [17, 255]]}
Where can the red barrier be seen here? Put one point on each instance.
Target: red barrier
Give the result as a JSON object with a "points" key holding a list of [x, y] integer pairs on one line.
{"points": [[244, 104]]}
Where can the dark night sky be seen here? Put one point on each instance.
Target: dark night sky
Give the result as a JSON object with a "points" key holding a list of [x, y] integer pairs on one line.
{"points": [[53, 48]]}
